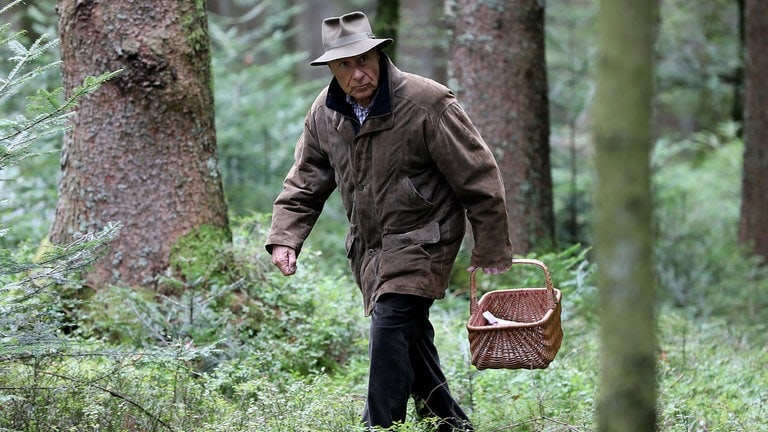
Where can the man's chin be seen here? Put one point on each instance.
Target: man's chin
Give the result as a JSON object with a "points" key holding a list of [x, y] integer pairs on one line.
{"points": [[361, 98]]}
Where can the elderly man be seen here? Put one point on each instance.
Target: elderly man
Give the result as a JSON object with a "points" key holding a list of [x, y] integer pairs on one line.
{"points": [[410, 168]]}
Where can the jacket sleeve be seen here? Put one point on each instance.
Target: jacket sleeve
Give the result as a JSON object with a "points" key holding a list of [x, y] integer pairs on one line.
{"points": [[306, 188], [467, 163]]}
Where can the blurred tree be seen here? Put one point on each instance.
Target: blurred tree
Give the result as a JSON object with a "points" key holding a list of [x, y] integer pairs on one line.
{"points": [[753, 228], [498, 61], [260, 108], [737, 80], [422, 45], [307, 39], [570, 56], [624, 206], [142, 149], [34, 18], [387, 23], [697, 66]]}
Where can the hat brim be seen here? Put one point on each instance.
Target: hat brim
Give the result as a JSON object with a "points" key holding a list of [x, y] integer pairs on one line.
{"points": [[350, 50]]}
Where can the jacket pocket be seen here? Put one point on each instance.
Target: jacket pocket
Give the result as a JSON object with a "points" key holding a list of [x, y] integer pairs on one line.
{"points": [[404, 254], [354, 254], [404, 207]]}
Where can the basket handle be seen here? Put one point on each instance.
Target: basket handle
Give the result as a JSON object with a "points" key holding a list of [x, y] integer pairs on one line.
{"points": [[473, 305]]}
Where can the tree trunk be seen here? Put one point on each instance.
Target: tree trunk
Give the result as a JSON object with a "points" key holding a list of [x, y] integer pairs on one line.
{"points": [[623, 234], [737, 110], [142, 149], [386, 23], [498, 62], [753, 227]]}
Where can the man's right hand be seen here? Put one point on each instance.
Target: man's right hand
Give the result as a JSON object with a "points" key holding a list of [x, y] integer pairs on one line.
{"points": [[284, 258], [490, 270]]}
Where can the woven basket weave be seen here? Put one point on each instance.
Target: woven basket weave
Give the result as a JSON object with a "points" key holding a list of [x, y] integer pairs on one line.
{"points": [[532, 341]]}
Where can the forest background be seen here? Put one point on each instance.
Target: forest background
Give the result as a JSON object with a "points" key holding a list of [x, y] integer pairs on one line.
{"points": [[264, 353]]}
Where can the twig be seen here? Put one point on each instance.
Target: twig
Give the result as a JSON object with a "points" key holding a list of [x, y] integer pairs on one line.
{"points": [[514, 426], [118, 396]]}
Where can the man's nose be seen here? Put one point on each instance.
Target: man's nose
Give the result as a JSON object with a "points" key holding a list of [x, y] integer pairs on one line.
{"points": [[358, 74]]}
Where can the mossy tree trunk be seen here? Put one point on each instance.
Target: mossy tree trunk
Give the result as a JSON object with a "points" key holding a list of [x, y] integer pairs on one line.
{"points": [[498, 63], [623, 234], [753, 229], [142, 149]]}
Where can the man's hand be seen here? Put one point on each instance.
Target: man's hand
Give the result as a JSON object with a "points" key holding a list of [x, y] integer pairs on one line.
{"points": [[284, 258], [490, 270]]}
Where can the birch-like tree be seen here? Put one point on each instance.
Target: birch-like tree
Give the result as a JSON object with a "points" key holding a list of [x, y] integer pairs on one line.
{"points": [[622, 226]]}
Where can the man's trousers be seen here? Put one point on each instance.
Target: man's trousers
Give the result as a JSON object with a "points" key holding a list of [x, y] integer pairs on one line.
{"points": [[405, 363]]}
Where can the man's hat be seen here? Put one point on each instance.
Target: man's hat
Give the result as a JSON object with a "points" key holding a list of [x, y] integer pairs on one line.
{"points": [[347, 36]]}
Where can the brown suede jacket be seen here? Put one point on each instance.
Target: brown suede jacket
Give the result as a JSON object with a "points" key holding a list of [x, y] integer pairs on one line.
{"points": [[408, 177]]}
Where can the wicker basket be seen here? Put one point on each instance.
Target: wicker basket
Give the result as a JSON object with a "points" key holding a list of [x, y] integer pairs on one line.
{"points": [[532, 341]]}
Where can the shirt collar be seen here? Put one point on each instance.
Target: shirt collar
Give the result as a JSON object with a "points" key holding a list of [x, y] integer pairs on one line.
{"points": [[360, 111]]}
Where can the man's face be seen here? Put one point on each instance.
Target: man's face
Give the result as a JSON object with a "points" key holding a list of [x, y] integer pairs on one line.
{"points": [[358, 75]]}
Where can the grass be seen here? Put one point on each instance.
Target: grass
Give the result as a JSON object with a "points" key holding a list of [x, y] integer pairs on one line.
{"points": [[271, 354], [711, 369], [711, 377]]}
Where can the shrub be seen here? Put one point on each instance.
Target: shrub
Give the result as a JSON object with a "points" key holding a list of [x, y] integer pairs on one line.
{"points": [[701, 266], [241, 305]]}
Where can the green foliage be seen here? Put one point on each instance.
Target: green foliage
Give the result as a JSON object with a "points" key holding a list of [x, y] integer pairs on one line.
{"points": [[28, 318], [239, 305], [30, 314], [42, 117], [29, 303], [203, 358], [709, 372], [276, 354], [259, 110], [698, 79], [570, 68], [193, 254], [698, 64], [701, 265]]}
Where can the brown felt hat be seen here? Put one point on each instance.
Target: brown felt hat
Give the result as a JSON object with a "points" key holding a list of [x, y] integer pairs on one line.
{"points": [[347, 36]]}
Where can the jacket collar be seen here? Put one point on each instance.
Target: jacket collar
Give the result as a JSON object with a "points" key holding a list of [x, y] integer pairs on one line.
{"points": [[382, 104]]}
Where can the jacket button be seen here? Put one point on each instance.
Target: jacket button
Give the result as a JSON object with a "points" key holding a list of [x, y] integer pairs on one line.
{"points": [[371, 251]]}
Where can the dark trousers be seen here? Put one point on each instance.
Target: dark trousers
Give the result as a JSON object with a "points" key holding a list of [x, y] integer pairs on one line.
{"points": [[404, 363]]}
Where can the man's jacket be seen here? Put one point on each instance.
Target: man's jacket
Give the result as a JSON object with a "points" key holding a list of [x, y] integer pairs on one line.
{"points": [[408, 177]]}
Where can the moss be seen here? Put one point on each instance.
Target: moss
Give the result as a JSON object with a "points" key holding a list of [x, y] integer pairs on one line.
{"points": [[195, 25], [201, 254]]}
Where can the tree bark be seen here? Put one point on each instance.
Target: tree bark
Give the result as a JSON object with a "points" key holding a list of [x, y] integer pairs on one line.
{"points": [[498, 62], [142, 149], [422, 35], [623, 233], [753, 226]]}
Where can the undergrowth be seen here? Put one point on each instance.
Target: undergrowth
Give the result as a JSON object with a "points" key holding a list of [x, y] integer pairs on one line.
{"points": [[241, 348]]}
